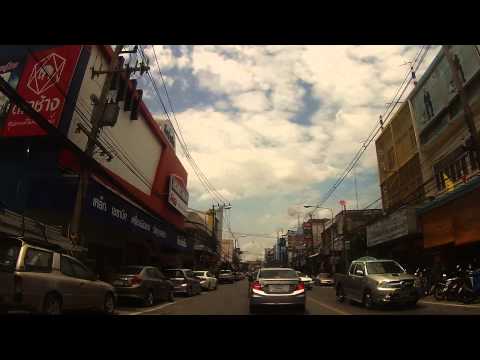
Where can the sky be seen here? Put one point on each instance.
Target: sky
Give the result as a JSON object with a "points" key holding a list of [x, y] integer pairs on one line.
{"points": [[273, 127]]}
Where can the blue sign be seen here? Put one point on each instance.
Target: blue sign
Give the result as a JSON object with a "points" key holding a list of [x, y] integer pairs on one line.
{"points": [[103, 203]]}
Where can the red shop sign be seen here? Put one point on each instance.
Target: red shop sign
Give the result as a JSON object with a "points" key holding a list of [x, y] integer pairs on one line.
{"points": [[44, 83]]}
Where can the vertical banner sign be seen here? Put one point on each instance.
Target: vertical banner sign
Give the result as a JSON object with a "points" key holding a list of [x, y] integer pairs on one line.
{"points": [[44, 83]]}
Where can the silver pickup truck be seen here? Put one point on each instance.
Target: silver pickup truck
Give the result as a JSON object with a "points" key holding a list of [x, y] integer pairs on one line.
{"points": [[372, 282]]}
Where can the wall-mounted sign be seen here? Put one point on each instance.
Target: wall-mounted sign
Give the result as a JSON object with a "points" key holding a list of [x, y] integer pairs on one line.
{"points": [[396, 225], [10, 72], [44, 83], [178, 195]]}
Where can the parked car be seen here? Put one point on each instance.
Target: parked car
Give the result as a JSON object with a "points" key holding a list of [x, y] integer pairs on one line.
{"points": [[237, 276], [371, 281], [184, 281], [207, 280], [307, 280], [277, 287], [145, 283], [324, 279], [38, 277], [226, 276]]}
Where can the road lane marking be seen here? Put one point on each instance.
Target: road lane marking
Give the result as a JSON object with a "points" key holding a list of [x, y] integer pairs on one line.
{"points": [[331, 308], [444, 304], [154, 309]]}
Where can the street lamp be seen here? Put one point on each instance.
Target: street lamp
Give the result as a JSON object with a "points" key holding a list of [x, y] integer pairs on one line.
{"points": [[331, 212]]}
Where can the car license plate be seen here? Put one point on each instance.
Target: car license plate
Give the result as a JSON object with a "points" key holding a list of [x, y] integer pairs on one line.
{"points": [[279, 288], [118, 283]]}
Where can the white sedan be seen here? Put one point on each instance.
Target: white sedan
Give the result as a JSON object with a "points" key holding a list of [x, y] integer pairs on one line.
{"points": [[207, 280], [306, 280]]}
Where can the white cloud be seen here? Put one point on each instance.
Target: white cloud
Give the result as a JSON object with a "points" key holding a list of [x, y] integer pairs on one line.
{"points": [[258, 152]]}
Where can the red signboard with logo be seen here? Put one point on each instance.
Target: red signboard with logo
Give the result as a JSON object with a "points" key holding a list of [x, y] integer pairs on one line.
{"points": [[44, 84]]}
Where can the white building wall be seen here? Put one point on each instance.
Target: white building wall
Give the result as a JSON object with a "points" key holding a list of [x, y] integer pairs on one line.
{"points": [[133, 138]]}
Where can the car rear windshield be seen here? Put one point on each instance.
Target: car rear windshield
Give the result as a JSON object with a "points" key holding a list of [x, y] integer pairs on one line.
{"points": [[324, 275], [199, 273], [278, 274], [173, 273], [384, 267], [9, 249], [131, 270]]}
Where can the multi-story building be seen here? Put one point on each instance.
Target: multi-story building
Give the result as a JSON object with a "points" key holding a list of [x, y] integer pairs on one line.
{"points": [[135, 204], [435, 215], [398, 161], [226, 251], [450, 221]]}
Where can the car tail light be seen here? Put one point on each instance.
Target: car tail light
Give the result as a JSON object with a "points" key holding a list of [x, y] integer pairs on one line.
{"points": [[135, 280], [300, 286], [256, 285]]}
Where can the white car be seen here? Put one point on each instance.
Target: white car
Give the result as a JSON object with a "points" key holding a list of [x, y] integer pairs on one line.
{"points": [[207, 280], [306, 280]]}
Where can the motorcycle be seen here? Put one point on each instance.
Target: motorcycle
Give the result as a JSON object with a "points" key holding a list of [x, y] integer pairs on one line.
{"points": [[449, 287], [470, 291]]}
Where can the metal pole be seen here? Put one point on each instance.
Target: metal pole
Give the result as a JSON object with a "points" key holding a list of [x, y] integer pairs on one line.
{"points": [[97, 117]]}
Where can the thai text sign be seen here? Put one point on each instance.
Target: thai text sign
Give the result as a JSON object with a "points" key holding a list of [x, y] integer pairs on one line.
{"points": [[44, 84], [396, 225]]}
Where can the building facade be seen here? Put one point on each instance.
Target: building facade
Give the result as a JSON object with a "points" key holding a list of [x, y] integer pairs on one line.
{"points": [[135, 204]]}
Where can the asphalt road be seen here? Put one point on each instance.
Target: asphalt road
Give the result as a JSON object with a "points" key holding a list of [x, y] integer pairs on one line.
{"points": [[231, 299]]}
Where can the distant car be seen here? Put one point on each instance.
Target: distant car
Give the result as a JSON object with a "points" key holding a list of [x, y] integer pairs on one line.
{"points": [[324, 279], [39, 277], [226, 276], [307, 280], [277, 287], [207, 280], [184, 281], [145, 283], [238, 276]]}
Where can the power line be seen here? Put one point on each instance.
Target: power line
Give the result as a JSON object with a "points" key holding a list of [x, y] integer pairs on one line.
{"points": [[378, 126], [201, 176]]}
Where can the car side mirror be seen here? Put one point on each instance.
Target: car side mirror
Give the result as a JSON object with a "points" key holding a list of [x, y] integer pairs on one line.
{"points": [[359, 272]]}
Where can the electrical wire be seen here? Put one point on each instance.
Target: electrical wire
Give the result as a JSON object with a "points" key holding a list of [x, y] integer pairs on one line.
{"points": [[419, 58], [199, 173]]}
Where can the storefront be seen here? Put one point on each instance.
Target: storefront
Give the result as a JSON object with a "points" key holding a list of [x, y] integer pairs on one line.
{"points": [[115, 230], [396, 237], [451, 225]]}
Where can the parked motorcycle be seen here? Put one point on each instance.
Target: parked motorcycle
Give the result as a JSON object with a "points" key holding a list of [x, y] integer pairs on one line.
{"points": [[470, 291], [449, 287]]}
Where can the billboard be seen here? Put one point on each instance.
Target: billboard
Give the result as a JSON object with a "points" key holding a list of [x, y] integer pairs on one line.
{"points": [[44, 84], [436, 88], [10, 71], [398, 224]]}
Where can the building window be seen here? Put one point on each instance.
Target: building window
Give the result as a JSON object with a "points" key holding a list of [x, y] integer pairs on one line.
{"points": [[454, 171]]}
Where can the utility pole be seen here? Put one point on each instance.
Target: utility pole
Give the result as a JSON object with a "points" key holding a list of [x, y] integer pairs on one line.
{"points": [[97, 116], [468, 114]]}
